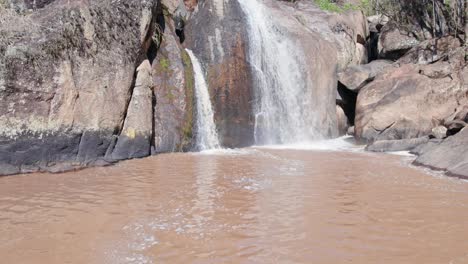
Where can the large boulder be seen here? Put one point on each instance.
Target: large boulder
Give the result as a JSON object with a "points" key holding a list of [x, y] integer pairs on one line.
{"points": [[66, 78], [450, 155], [394, 41], [357, 76], [408, 102]]}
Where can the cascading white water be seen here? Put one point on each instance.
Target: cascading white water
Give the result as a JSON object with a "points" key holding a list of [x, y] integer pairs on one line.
{"points": [[206, 134], [284, 109]]}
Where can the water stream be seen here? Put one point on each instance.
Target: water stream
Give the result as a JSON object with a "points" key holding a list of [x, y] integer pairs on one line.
{"points": [[206, 133], [284, 109]]}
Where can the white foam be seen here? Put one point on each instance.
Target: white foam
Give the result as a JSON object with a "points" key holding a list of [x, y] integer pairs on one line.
{"points": [[344, 143], [402, 153], [224, 151]]}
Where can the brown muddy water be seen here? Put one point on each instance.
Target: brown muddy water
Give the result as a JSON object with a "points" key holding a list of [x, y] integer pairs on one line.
{"points": [[245, 206]]}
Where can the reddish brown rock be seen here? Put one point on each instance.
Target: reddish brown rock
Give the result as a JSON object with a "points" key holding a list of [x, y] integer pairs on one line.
{"points": [[218, 37]]}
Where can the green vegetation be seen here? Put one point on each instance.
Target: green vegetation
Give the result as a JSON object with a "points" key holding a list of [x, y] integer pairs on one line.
{"points": [[169, 95], [327, 5], [332, 6], [165, 64], [439, 17]]}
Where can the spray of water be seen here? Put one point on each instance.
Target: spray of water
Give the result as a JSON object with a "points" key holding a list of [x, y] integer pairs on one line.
{"points": [[284, 109], [206, 134]]}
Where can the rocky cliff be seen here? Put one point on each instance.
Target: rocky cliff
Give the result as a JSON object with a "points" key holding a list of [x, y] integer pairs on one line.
{"points": [[78, 84], [92, 82], [87, 83]]}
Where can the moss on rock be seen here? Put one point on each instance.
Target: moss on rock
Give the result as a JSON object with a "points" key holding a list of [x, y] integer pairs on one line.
{"points": [[187, 129]]}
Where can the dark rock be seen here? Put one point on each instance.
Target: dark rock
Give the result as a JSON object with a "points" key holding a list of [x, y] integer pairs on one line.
{"points": [[357, 76], [347, 102], [34, 152], [455, 126], [396, 145], [450, 155], [93, 144], [179, 23]]}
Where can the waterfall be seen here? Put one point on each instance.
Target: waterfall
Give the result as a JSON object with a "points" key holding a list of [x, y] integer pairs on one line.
{"points": [[283, 97], [206, 134]]}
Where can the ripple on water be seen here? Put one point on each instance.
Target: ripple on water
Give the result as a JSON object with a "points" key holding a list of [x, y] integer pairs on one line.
{"points": [[257, 206]]}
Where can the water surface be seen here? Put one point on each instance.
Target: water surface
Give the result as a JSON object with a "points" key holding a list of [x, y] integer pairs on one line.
{"points": [[245, 206]]}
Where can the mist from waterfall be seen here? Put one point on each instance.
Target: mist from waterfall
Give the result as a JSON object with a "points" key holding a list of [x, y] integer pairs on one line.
{"points": [[206, 133], [284, 111]]}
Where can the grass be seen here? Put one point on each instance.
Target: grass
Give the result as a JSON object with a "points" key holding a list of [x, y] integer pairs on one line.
{"points": [[329, 6]]}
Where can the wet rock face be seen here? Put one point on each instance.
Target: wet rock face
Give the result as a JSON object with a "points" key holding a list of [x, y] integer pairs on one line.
{"points": [[173, 92], [66, 81], [218, 37]]}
